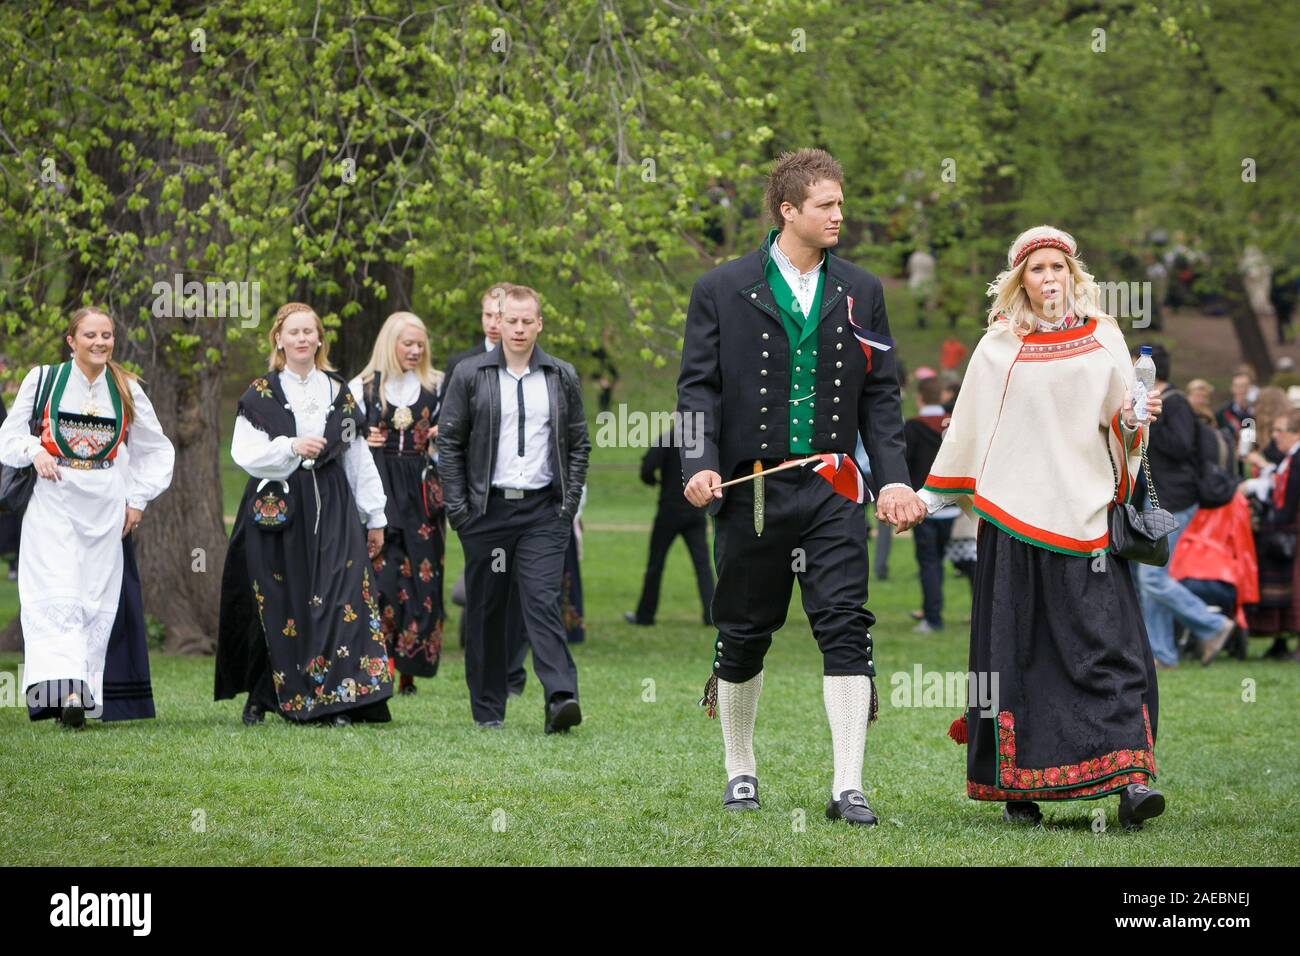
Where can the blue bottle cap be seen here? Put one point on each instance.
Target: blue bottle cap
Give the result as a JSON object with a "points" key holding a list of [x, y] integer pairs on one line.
{"points": [[1146, 350]]}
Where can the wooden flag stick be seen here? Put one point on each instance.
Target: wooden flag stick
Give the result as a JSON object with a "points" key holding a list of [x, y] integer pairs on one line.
{"points": [[770, 471]]}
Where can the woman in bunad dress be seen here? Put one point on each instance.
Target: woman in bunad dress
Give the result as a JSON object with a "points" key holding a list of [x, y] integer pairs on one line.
{"points": [[398, 393], [100, 458], [1044, 438], [300, 629]]}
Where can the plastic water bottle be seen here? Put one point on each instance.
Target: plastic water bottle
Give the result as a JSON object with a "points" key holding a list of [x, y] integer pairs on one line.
{"points": [[1145, 370]]}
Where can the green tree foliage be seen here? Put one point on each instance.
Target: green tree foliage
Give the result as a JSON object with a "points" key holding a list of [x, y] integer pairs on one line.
{"points": [[365, 157]]}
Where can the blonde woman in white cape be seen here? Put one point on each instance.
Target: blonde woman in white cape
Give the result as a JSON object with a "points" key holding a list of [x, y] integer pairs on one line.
{"points": [[1043, 439]]}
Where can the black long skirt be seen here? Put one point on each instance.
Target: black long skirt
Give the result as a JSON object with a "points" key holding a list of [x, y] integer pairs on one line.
{"points": [[1062, 641], [299, 623], [409, 569]]}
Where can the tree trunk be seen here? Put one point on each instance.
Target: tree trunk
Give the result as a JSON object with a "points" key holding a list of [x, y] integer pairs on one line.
{"points": [[356, 334], [182, 541], [1250, 338]]}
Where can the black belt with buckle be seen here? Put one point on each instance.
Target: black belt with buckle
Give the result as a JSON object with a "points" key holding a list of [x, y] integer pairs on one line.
{"points": [[513, 494], [84, 464]]}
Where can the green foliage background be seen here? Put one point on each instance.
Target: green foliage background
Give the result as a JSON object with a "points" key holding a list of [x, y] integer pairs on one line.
{"points": [[370, 156]]}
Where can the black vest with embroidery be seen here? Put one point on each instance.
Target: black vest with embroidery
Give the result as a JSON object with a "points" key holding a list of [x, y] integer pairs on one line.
{"points": [[266, 408]]}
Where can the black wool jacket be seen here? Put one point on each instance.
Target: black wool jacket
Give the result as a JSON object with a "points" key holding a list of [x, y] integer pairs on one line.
{"points": [[734, 384]]}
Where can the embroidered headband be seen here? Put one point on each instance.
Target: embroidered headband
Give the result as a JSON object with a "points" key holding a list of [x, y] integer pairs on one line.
{"points": [[1046, 242]]}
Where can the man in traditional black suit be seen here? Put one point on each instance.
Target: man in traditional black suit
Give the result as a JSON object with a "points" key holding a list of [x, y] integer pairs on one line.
{"points": [[786, 354]]}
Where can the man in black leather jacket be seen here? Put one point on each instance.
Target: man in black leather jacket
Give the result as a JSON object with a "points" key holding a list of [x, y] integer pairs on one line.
{"points": [[512, 457]]}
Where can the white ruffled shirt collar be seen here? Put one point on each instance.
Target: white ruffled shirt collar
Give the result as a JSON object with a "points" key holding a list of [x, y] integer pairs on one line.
{"points": [[289, 375]]}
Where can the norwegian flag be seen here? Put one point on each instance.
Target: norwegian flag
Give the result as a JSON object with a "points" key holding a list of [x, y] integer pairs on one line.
{"points": [[868, 340], [843, 475]]}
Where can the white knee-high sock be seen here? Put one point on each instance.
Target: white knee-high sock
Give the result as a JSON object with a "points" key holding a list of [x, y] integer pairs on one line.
{"points": [[737, 710], [848, 706]]}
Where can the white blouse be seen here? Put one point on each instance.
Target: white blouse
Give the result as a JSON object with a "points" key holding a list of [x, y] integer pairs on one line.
{"points": [[146, 457], [310, 399], [397, 391]]}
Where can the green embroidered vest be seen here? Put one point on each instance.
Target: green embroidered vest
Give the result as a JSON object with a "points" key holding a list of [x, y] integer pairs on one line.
{"points": [[801, 331]]}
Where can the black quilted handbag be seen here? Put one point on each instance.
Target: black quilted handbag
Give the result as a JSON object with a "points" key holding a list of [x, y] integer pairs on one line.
{"points": [[1141, 536]]}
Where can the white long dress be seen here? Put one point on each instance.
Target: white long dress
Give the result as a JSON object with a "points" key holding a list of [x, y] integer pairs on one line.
{"points": [[70, 561]]}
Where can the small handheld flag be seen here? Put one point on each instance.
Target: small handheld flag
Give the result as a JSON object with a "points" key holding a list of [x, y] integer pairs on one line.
{"points": [[867, 339], [840, 470]]}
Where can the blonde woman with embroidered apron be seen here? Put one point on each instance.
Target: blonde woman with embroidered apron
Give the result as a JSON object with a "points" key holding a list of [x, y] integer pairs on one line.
{"points": [[397, 393]]}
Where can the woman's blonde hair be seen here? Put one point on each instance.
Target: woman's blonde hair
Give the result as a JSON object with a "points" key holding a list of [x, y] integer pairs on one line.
{"points": [[1010, 301], [121, 377], [277, 360], [383, 357]]}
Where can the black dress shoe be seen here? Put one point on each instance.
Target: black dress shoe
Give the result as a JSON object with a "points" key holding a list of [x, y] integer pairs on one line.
{"points": [[1138, 803], [72, 714], [489, 724], [561, 714], [253, 713], [406, 686], [852, 807], [631, 618], [340, 720], [742, 793], [1022, 811], [1278, 651]]}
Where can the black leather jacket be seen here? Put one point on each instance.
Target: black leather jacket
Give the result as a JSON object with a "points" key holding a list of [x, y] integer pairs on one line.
{"points": [[470, 424]]}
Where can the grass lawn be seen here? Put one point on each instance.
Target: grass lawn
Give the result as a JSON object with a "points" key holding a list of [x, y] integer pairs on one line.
{"points": [[640, 782]]}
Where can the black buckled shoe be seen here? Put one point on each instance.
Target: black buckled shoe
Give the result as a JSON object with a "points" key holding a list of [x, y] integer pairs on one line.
{"points": [[742, 793], [1022, 811], [561, 714], [339, 720], [72, 714], [852, 807], [1139, 803]]}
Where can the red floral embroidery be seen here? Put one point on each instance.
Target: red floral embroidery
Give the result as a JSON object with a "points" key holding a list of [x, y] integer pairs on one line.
{"points": [[980, 791], [1094, 777]]}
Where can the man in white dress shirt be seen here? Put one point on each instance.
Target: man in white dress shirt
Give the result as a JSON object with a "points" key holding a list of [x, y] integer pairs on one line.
{"points": [[512, 455]]}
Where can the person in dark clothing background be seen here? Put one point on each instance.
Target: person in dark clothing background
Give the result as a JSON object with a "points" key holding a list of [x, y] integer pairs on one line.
{"points": [[674, 516], [922, 436], [1174, 457], [1278, 612]]}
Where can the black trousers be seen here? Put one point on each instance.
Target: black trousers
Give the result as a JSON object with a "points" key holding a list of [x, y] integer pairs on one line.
{"points": [[517, 549], [668, 524], [809, 532]]}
